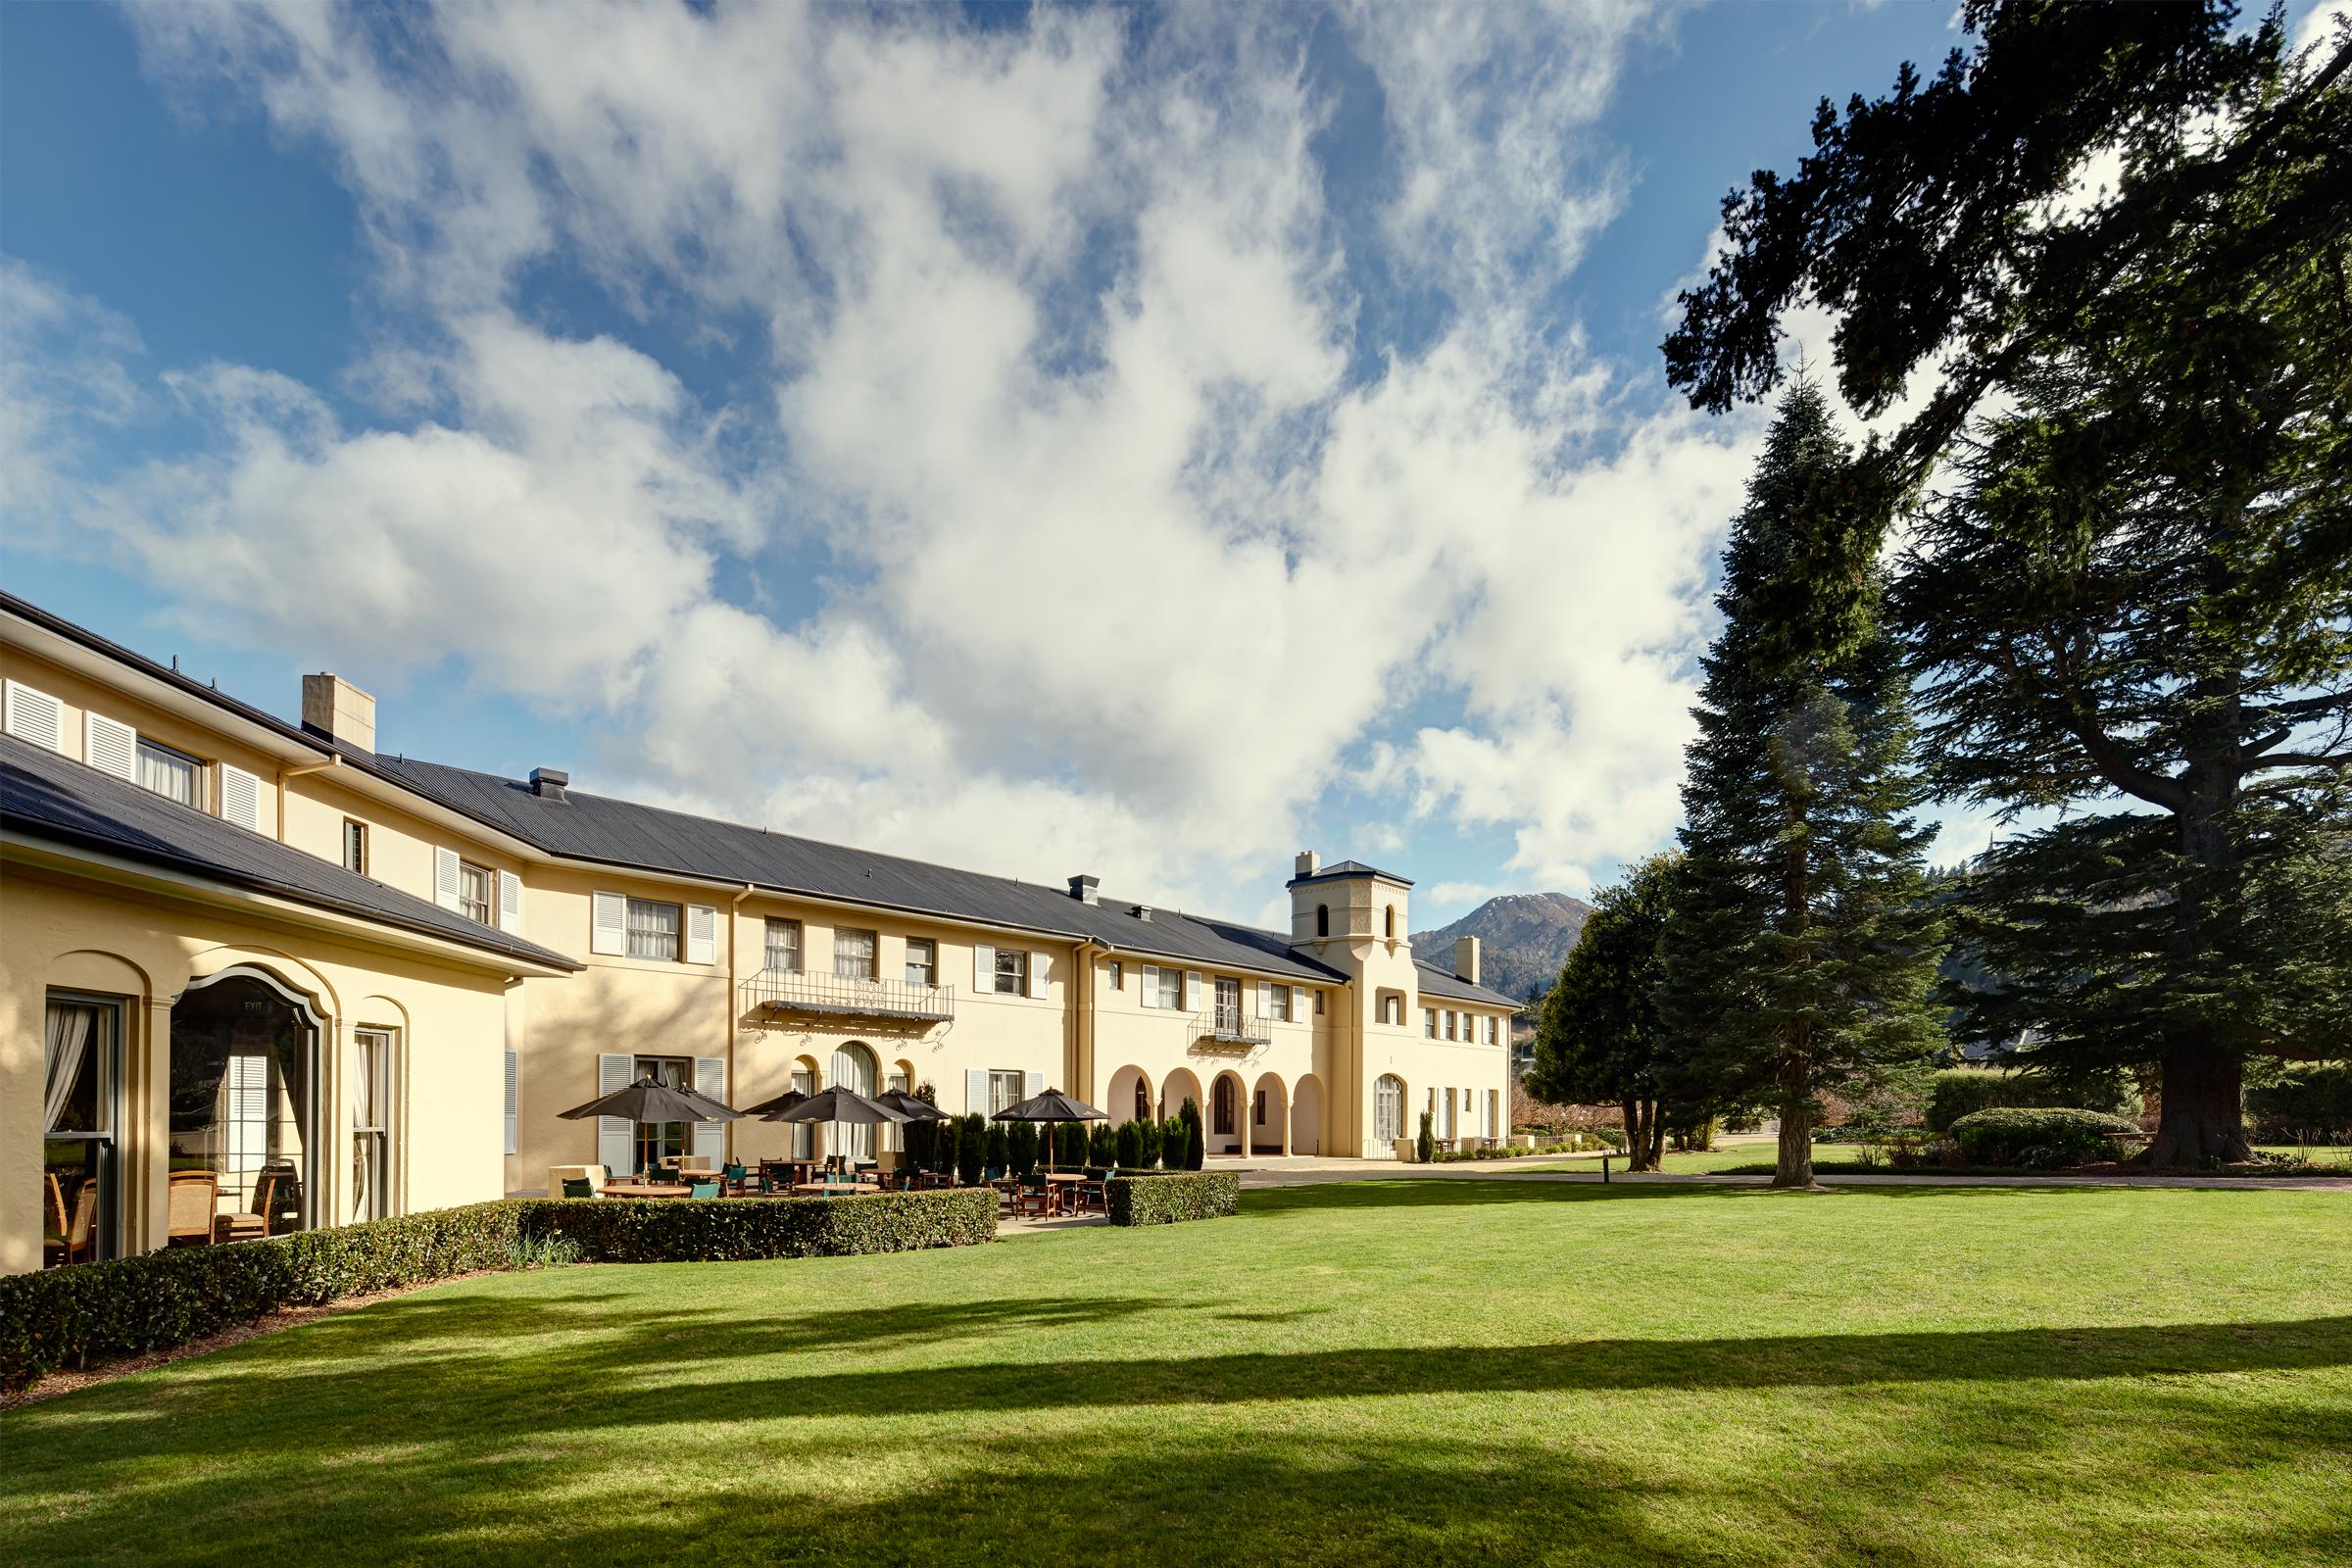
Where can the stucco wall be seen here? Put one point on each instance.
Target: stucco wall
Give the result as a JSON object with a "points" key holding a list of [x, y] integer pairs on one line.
{"points": [[64, 931]]}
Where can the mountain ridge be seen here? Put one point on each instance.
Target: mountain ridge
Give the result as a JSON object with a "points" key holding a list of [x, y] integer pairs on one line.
{"points": [[1523, 939]]}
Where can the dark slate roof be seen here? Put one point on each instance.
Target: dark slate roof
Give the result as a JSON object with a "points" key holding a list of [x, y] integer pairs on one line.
{"points": [[1350, 868], [50, 796], [1433, 980], [623, 833]]}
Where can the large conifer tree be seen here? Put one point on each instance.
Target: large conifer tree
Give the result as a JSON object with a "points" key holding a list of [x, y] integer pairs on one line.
{"points": [[1800, 950]]}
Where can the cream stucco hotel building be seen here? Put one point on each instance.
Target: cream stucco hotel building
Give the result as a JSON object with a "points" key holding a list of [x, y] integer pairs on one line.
{"points": [[351, 985]]}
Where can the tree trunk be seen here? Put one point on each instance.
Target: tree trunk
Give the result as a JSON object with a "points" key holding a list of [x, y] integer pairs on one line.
{"points": [[2201, 1118], [2201, 1089], [1641, 1134], [1796, 1166]]}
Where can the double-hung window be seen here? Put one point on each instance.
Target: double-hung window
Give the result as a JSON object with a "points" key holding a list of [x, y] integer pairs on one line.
{"points": [[1013, 975], [853, 954], [1168, 987], [922, 962], [1004, 1091], [478, 895], [783, 946], [653, 930], [1429, 1022], [175, 775], [1278, 1007]]}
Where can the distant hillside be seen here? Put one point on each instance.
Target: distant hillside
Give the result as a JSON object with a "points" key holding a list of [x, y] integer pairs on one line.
{"points": [[1524, 938]]}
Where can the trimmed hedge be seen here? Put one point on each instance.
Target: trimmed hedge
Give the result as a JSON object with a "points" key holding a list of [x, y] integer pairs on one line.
{"points": [[629, 1231], [1957, 1092], [1167, 1197], [2038, 1138], [92, 1313]]}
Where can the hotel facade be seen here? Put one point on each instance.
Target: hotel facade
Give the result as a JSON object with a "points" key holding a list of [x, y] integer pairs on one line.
{"points": [[256, 976]]}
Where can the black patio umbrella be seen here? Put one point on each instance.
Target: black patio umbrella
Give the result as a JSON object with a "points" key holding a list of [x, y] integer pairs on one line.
{"points": [[647, 1101], [1051, 1105], [915, 1109], [843, 1105], [773, 1109]]}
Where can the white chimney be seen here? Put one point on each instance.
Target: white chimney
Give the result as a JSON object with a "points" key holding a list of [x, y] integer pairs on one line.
{"points": [[1465, 959], [335, 707], [1309, 863]]}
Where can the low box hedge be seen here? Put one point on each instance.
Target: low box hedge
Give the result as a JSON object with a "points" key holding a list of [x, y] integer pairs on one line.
{"points": [[2038, 1138], [88, 1313], [1167, 1197], [627, 1231], [91, 1312]]}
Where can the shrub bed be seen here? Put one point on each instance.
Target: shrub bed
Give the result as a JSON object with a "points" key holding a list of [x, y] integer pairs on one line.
{"points": [[624, 1231], [2044, 1138], [1445, 1156], [1170, 1196], [94, 1312]]}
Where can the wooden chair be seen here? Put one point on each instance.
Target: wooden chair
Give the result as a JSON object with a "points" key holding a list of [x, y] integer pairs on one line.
{"points": [[81, 1236], [256, 1222], [194, 1196], [53, 1220], [1035, 1200]]}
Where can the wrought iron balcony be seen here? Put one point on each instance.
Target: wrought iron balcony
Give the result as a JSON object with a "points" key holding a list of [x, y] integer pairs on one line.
{"points": [[795, 991], [1227, 1026]]}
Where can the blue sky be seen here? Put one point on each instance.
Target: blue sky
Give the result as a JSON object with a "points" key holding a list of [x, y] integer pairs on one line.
{"points": [[1136, 441]]}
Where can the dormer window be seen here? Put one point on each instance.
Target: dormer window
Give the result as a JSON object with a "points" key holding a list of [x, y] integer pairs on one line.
{"points": [[1322, 919]]}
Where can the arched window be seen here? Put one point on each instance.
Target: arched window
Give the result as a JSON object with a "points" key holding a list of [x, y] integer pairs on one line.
{"points": [[1388, 1109], [853, 1067], [1322, 919], [1222, 1100], [1392, 922]]}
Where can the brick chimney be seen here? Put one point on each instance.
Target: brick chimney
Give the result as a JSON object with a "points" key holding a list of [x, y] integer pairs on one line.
{"points": [[1465, 959], [335, 707]]}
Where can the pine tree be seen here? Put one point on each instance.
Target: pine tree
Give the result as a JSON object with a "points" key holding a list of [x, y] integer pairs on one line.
{"points": [[1800, 948]]}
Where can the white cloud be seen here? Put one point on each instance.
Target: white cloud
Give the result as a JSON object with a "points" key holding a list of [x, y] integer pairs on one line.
{"points": [[1120, 568]]}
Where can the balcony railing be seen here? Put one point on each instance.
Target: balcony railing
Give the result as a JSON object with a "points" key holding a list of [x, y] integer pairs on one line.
{"points": [[1227, 1026], [844, 996]]}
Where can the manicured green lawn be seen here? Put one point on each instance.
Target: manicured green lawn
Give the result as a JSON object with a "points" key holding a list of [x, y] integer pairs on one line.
{"points": [[1833, 1156], [1403, 1372]]}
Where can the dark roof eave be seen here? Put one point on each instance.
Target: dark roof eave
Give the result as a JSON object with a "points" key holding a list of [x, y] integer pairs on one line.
{"points": [[35, 828]]}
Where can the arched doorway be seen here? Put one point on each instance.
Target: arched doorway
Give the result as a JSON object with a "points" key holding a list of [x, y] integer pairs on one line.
{"points": [[244, 1098], [1225, 1113], [853, 1067], [1269, 1117], [1388, 1112], [1130, 1096], [1307, 1117], [1179, 1086]]}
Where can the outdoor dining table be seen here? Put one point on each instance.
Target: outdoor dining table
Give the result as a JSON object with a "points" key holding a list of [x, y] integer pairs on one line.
{"points": [[827, 1189], [648, 1190]]}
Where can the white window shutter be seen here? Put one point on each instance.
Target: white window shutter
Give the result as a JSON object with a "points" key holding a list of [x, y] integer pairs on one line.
{"points": [[34, 717], [110, 746], [1301, 1007], [975, 1091], [514, 1099], [445, 877], [240, 798], [710, 1078], [609, 923], [615, 1070], [1150, 985], [984, 981], [702, 934], [1266, 999], [1033, 1083], [509, 902], [1037, 974], [1192, 985]]}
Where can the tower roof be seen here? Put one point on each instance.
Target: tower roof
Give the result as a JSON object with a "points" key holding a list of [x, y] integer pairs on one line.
{"points": [[1350, 872]]}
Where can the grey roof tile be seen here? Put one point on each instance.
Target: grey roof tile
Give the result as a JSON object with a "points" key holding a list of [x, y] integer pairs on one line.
{"points": [[48, 796], [599, 828]]}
